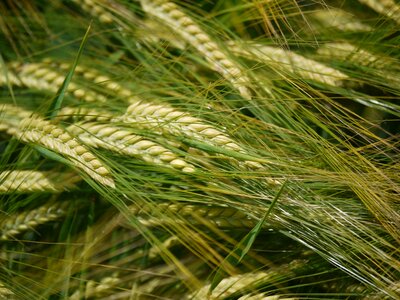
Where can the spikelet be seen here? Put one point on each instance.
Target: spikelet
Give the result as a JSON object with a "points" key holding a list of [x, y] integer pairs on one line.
{"points": [[6, 293], [84, 113], [8, 77], [96, 289], [27, 220], [292, 62], [339, 19], [124, 142], [97, 9], [168, 119], [155, 251], [41, 77], [224, 217], [27, 181], [169, 13], [36, 130], [158, 33], [388, 8]]}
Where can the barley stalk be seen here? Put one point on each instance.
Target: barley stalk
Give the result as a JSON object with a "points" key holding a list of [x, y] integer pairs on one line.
{"points": [[388, 8], [170, 14], [292, 62], [27, 181], [38, 131], [18, 223], [124, 142]]}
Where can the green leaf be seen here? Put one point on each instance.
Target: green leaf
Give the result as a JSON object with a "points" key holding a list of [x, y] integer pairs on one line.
{"points": [[52, 155], [243, 247], [211, 148], [57, 102], [4, 67]]}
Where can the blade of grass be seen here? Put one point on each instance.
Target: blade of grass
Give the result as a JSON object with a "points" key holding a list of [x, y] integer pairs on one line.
{"points": [[52, 155], [243, 247], [207, 147], [57, 101], [9, 86]]}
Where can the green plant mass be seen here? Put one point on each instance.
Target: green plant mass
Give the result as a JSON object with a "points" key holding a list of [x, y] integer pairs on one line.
{"points": [[227, 149]]}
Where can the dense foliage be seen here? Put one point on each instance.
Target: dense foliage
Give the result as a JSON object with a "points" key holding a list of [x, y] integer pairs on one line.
{"points": [[230, 149]]}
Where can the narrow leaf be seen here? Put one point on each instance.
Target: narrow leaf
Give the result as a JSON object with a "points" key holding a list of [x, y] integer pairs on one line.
{"points": [[57, 102], [4, 67], [243, 247]]}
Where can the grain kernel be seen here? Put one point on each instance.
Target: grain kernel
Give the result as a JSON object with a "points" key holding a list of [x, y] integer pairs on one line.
{"points": [[178, 163]]}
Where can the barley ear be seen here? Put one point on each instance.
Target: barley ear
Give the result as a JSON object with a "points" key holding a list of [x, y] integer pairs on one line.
{"points": [[27, 181], [5, 293], [388, 8], [168, 119], [38, 131], [95, 289], [42, 76], [171, 15], [21, 222], [96, 9], [339, 19], [124, 142], [295, 63]]}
